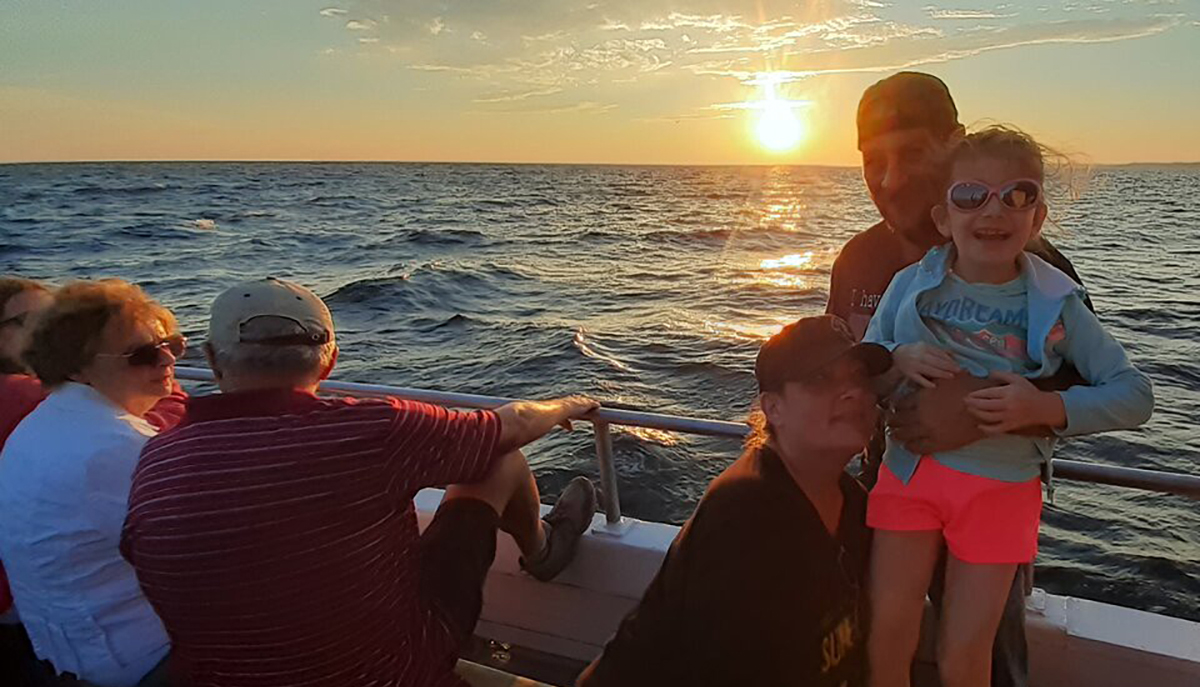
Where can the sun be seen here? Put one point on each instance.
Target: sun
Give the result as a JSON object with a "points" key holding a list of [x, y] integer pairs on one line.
{"points": [[779, 126], [779, 129]]}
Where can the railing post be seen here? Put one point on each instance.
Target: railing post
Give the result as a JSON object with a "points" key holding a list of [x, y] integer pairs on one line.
{"points": [[611, 499]]}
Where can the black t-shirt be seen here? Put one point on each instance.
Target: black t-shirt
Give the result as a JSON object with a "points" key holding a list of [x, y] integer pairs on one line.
{"points": [[754, 591], [867, 263]]}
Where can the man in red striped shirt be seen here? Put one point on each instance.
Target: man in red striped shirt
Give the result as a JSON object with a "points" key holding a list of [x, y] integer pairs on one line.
{"points": [[274, 531]]}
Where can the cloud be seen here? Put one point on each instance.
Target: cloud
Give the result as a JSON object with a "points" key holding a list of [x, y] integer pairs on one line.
{"points": [[583, 107], [585, 51], [935, 13], [513, 97], [887, 57], [587, 106], [332, 12], [760, 105]]}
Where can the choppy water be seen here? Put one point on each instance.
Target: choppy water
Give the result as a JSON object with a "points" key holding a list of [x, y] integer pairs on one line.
{"points": [[652, 286]]}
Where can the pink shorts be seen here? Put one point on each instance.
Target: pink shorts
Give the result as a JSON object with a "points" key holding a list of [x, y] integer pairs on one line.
{"points": [[983, 520]]}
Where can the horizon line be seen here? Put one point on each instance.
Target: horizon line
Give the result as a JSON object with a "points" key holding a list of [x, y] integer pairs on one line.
{"points": [[1142, 163]]}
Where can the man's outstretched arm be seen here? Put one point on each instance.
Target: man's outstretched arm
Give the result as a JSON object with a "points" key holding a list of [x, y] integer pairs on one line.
{"points": [[524, 421]]}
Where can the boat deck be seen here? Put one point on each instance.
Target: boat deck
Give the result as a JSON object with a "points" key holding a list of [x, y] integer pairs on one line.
{"points": [[483, 676]]}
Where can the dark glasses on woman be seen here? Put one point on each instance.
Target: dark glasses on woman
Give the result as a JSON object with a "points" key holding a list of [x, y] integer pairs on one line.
{"points": [[1019, 194], [147, 355]]}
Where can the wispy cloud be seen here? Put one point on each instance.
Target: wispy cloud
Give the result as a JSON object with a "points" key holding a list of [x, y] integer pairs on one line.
{"points": [[759, 105], [582, 107], [514, 97], [580, 49], [936, 13]]}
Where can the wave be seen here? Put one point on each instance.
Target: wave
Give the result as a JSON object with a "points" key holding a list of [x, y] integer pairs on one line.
{"points": [[456, 321], [364, 290], [337, 200], [122, 190], [591, 350], [438, 286], [440, 237]]}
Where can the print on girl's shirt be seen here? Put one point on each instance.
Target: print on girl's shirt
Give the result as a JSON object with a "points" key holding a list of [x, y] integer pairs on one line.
{"points": [[1010, 345], [985, 326]]}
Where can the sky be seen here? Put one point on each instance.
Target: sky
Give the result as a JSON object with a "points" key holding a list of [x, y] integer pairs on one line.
{"points": [[579, 81]]}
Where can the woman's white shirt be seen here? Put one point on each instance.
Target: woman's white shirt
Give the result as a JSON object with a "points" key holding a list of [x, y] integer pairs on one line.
{"points": [[65, 475]]}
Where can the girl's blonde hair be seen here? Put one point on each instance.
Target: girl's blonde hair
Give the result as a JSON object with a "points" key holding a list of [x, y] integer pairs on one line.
{"points": [[1006, 142], [1037, 160]]}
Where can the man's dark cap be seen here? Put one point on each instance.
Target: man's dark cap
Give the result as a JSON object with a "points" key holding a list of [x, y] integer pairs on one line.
{"points": [[809, 345], [906, 100]]}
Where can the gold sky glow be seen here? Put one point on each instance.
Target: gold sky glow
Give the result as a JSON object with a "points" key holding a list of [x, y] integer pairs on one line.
{"points": [[578, 81]]}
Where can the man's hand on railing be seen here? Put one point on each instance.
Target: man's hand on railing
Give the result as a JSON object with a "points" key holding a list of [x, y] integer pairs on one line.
{"points": [[523, 421], [576, 408]]}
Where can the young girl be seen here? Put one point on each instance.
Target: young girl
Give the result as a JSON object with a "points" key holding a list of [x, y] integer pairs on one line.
{"points": [[984, 306]]}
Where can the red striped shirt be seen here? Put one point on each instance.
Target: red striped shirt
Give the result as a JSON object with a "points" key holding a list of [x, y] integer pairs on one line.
{"points": [[274, 533]]}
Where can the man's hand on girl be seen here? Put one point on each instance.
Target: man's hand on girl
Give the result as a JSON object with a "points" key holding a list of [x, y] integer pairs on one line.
{"points": [[924, 364], [1014, 404]]}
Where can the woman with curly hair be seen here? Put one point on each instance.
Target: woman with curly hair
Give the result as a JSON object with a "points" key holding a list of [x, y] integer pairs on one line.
{"points": [[106, 354]]}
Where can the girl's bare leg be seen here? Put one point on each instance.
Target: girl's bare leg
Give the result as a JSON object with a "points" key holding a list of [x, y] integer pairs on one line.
{"points": [[901, 566], [973, 603]]}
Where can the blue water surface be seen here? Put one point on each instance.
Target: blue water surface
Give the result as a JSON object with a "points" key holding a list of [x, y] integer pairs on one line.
{"points": [[649, 286]]}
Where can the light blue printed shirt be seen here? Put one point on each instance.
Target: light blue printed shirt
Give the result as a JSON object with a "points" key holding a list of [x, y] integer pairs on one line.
{"points": [[985, 326], [982, 327]]}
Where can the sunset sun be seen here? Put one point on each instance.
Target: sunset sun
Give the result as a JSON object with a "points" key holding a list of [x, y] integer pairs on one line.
{"points": [[779, 126], [779, 129]]}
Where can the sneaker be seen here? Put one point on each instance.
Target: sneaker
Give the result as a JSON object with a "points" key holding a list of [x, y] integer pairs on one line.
{"points": [[565, 524]]}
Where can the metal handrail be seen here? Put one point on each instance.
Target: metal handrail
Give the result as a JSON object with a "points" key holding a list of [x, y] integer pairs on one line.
{"points": [[603, 419]]}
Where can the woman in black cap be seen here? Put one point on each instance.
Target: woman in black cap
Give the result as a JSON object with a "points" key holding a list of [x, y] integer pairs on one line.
{"points": [[763, 585]]}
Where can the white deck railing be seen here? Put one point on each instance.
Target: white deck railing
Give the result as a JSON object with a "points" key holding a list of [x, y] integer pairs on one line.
{"points": [[602, 419]]}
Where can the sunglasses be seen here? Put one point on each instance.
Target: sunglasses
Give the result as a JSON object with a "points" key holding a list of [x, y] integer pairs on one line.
{"points": [[1020, 194], [148, 355]]}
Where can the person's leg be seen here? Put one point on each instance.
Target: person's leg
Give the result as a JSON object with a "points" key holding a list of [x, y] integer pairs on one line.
{"points": [[512, 492], [901, 565], [457, 549], [1010, 653], [996, 523], [547, 544], [975, 598]]}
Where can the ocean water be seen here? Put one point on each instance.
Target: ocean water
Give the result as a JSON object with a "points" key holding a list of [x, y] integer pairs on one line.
{"points": [[648, 286]]}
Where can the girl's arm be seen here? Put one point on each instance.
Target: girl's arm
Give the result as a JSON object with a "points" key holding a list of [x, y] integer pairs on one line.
{"points": [[882, 328], [1119, 396], [919, 362]]}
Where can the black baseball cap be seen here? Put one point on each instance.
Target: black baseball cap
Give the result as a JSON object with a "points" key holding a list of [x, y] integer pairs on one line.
{"points": [[808, 345], [906, 100]]}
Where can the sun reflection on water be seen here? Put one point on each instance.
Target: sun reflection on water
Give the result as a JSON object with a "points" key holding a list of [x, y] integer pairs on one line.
{"points": [[656, 436], [794, 260], [747, 331]]}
